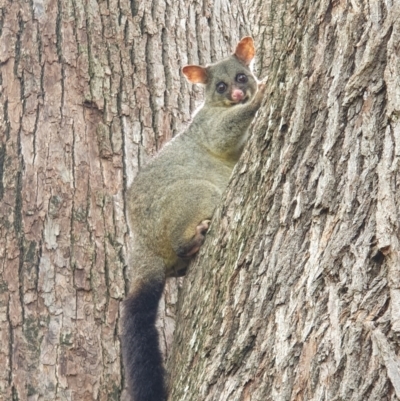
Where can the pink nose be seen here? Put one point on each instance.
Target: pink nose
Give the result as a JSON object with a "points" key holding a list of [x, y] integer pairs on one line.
{"points": [[237, 95]]}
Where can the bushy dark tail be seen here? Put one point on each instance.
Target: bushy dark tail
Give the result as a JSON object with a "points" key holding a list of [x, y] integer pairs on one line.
{"points": [[140, 344]]}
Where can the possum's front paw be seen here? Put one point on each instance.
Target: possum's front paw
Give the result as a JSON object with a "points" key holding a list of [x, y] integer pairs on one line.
{"points": [[262, 87]]}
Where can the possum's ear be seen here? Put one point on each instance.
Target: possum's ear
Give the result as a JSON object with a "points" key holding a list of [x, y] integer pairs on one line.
{"points": [[195, 74], [245, 50]]}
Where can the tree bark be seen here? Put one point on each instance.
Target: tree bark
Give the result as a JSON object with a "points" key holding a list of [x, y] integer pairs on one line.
{"points": [[295, 294], [89, 92]]}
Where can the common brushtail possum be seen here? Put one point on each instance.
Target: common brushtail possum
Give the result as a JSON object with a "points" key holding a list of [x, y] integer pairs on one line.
{"points": [[172, 200]]}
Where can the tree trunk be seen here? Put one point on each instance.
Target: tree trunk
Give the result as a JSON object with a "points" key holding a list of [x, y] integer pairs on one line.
{"points": [[296, 292], [89, 91]]}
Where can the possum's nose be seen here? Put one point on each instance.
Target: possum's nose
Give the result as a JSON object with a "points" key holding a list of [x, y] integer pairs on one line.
{"points": [[237, 95]]}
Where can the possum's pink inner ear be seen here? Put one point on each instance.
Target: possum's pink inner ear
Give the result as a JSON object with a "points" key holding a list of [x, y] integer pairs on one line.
{"points": [[195, 74], [245, 50]]}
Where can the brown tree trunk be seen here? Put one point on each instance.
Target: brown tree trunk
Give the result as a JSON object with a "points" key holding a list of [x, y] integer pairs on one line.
{"points": [[296, 293], [88, 92]]}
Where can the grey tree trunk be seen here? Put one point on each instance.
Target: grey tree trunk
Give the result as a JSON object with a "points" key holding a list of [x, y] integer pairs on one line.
{"points": [[88, 92], [296, 293]]}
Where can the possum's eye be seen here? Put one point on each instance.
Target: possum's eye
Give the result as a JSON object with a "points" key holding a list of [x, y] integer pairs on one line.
{"points": [[221, 87], [241, 78]]}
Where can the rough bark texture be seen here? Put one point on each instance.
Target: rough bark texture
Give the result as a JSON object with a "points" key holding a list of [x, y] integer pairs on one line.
{"points": [[296, 293], [88, 92]]}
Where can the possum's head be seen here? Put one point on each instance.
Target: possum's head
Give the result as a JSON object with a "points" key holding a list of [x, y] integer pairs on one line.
{"points": [[230, 81]]}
